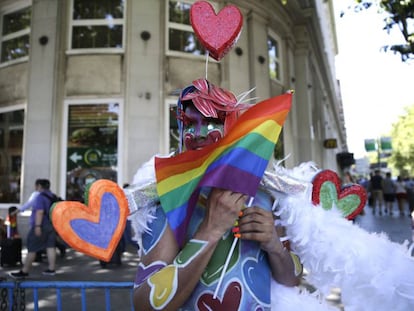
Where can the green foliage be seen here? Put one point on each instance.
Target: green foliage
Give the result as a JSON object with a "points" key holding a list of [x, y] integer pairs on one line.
{"points": [[402, 158], [398, 13]]}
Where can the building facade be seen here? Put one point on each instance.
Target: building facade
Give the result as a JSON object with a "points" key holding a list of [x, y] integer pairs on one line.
{"points": [[88, 87]]}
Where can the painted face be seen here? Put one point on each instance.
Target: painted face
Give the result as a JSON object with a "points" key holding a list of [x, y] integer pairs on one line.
{"points": [[200, 131]]}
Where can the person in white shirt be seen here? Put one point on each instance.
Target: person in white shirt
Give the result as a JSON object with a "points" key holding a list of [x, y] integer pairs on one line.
{"points": [[401, 194]]}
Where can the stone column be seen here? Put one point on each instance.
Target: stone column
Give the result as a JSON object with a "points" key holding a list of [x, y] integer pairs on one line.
{"points": [[40, 139], [303, 97], [259, 63], [144, 98]]}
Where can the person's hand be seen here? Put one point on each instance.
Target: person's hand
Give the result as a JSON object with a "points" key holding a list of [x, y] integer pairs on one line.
{"points": [[223, 208], [257, 224]]}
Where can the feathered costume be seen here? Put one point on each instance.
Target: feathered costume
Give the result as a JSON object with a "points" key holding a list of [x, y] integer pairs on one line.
{"points": [[372, 272]]}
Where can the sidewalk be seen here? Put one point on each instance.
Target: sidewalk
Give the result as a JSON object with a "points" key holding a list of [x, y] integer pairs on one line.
{"points": [[398, 228], [79, 267]]}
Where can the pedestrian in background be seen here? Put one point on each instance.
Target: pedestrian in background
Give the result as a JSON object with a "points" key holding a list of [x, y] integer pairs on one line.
{"points": [[3, 229], [401, 194], [41, 234], [389, 193], [29, 202], [377, 192], [409, 186], [60, 244], [348, 179], [11, 222]]}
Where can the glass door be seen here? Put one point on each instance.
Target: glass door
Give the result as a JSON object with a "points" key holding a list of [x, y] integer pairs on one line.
{"points": [[92, 146]]}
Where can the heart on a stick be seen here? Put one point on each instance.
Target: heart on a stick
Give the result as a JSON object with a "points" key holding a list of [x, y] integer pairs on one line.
{"points": [[327, 192], [217, 32], [95, 228]]}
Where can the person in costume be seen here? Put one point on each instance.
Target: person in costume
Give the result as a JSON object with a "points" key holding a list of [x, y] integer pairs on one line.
{"points": [[174, 277], [310, 205], [183, 270], [259, 274]]}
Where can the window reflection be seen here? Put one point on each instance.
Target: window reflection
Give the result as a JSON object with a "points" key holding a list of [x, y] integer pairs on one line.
{"points": [[97, 24], [15, 35], [15, 48], [185, 41], [273, 52], [179, 12], [97, 37], [11, 146], [92, 146], [174, 133], [98, 9], [16, 21], [181, 37]]}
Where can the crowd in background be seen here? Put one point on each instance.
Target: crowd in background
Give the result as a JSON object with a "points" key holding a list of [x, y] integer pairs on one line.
{"points": [[384, 191]]}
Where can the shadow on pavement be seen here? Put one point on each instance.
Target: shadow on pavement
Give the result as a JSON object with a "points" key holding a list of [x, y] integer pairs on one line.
{"points": [[76, 266]]}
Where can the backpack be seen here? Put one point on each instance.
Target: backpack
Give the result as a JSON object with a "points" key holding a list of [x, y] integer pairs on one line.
{"points": [[53, 199]]}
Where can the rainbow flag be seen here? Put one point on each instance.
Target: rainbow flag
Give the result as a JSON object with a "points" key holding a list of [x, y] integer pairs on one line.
{"points": [[237, 162]]}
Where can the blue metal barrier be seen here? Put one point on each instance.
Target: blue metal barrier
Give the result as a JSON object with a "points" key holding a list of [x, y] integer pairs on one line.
{"points": [[13, 287]]}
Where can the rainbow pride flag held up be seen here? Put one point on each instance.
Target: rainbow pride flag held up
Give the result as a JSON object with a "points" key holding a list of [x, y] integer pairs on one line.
{"points": [[237, 162]]}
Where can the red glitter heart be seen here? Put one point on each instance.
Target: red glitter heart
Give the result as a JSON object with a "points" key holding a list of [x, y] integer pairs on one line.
{"points": [[327, 191], [217, 33]]}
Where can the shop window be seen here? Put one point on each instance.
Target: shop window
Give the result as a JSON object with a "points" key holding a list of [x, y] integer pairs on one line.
{"points": [[274, 51], [279, 151], [92, 146], [11, 146], [15, 34], [173, 128], [97, 24], [181, 38]]}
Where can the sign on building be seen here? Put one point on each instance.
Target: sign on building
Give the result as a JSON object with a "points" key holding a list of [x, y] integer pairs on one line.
{"points": [[386, 144], [370, 145]]}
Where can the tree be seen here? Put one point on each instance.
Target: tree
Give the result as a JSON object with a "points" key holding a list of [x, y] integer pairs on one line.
{"points": [[402, 158], [398, 13]]}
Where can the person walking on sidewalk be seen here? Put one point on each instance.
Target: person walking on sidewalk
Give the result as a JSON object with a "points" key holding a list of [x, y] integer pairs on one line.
{"points": [[389, 193], [401, 194], [376, 191], [41, 234]]}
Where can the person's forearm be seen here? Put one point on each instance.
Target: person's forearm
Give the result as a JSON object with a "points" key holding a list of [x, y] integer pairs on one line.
{"points": [[29, 202], [187, 267], [38, 218], [283, 267], [25, 206], [170, 287]]}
